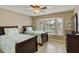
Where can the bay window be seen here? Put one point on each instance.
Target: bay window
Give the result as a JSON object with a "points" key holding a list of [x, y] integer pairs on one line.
{"points": [[53, 26]]}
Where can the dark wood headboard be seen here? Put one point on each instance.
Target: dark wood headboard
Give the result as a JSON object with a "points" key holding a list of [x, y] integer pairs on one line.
{"points": [[2, 29], [24, 28]]}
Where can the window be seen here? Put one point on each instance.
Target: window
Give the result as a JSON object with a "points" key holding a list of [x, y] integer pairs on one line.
{"points": [[53, 26], [50, 26]]}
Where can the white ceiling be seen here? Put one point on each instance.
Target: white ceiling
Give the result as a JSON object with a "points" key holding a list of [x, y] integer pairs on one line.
{"points": [[24, 9]]}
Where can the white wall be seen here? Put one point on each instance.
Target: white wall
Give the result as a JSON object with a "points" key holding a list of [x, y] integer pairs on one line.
{"points": [[9, 18]]}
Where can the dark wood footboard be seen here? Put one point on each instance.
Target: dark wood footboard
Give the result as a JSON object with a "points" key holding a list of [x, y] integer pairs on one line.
{"points": [[44, 38], [28, 46]]}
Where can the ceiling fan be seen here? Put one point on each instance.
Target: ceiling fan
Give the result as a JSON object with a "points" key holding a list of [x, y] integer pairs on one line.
{"points": [[37, 8]]}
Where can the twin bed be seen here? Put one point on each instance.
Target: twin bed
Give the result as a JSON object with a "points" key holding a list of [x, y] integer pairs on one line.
{"points": [[21, 42], [42, 36]]}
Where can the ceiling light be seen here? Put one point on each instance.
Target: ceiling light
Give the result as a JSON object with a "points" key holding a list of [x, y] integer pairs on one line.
{"points": [[36, 8]]}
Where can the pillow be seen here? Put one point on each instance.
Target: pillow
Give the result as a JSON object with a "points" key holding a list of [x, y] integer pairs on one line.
{"points": [[10, 31], [28, 28]]}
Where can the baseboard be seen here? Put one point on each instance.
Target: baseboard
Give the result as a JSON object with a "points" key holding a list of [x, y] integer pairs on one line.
{"points": [[62, 41]]}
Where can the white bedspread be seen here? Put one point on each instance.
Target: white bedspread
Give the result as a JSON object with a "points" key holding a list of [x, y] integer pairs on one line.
{"points": [[20, 37], [36, 33], [8, 42]]}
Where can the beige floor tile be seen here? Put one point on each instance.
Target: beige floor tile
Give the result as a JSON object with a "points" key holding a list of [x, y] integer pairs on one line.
{"points": [[52, 47]]}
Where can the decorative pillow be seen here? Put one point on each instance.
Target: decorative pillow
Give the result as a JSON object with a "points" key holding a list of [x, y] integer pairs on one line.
{"points": [[10, 31], [28, 28]]}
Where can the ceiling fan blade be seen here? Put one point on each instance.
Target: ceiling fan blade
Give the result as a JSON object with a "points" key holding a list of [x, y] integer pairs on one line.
{"points": [[44, 8], [31, 5]]}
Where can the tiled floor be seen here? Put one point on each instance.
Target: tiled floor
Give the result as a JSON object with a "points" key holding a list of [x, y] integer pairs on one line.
{"points": [[52, 47]]}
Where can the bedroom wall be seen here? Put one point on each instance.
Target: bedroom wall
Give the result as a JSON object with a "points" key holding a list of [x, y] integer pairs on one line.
{"points": [[67, 15], [10, 18]]}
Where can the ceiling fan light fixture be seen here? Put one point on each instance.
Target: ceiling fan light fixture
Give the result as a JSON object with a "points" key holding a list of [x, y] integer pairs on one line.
{"points": [[36, 8]]}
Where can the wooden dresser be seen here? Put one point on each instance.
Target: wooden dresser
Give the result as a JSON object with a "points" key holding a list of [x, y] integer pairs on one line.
{"points": [[72, 43]]}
